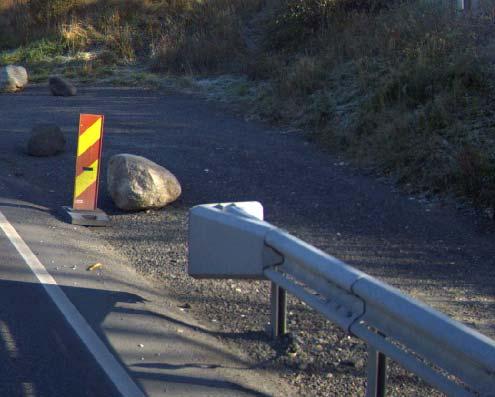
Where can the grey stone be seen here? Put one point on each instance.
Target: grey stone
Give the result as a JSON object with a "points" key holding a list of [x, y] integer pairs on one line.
{"points": [[347, 363], [61, 87], [46, 140], [359, 363], [13, 78], [136, 183]]}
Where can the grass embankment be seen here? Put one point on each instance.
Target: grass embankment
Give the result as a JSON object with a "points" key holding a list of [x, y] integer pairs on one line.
{"points": [[406, 87]]}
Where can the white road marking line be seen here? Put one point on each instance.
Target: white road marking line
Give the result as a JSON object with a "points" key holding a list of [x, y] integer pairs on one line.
{"points": [[8, 340], [117, 374]]}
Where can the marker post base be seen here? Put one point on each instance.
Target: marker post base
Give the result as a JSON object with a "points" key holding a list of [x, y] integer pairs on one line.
{"points": [[84, 210], [86, 217]]}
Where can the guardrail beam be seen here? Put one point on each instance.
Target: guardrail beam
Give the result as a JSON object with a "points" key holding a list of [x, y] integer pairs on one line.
{"points": [[232, 241]]}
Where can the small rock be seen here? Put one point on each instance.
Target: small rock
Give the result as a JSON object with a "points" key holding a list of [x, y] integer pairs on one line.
{"points": [[347, 363], [302, 365], [46, 140], [13, 78], [61, 87], [318, 348], [360, 363]]}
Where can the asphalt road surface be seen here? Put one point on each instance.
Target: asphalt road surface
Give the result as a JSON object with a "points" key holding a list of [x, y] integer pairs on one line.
{"points": [[430, 249], [144, 344], [68, 331], [40, 355]]}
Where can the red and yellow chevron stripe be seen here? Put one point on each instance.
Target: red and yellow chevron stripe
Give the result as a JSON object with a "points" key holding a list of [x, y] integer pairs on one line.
{"points": [[89, 147]]}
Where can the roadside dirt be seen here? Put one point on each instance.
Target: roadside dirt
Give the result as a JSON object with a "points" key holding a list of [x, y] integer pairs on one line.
{"points": [[429, 248]]}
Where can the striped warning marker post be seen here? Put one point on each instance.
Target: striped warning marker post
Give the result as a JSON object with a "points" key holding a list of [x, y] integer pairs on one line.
{"points": [[84, 209], [89, 147]]}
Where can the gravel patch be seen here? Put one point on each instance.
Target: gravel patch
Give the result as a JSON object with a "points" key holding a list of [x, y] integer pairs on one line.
{"points": [[316, 357], [436, 250]]}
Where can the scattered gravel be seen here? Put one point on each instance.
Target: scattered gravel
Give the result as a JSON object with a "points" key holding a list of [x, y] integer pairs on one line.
{"points": [[423, 246], [426, 247], [316, 356]]}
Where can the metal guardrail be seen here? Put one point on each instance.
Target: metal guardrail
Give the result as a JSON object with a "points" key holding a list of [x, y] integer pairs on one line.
{"points": [[225, 241]]}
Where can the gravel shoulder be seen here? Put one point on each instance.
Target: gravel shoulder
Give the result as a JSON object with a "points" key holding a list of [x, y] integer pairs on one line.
{"points": [[429, 248]]}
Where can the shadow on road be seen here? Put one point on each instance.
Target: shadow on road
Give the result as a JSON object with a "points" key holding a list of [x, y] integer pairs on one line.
{"points": [[42, 356]]}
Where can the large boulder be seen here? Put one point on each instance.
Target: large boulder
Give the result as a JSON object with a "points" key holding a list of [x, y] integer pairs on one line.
{"points": [[46, 140], [136, 183], [13, 78], [61, 87]]}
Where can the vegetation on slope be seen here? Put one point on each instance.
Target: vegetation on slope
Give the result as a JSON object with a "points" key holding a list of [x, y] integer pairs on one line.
{"points": [[400, 85]]}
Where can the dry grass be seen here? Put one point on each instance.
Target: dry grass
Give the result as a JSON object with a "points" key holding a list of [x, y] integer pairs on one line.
{"points": [[177, 35], [404, 86]]}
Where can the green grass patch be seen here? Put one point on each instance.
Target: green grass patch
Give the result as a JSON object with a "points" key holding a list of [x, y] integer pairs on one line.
{"points": [[44, 50], [402, 86]]}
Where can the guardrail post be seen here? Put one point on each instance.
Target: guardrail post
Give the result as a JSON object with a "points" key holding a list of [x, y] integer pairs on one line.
{"points": [[278, 301], [377, 373], [226, 242]]}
